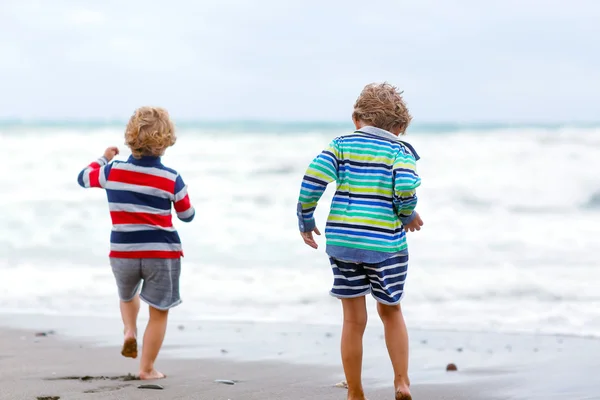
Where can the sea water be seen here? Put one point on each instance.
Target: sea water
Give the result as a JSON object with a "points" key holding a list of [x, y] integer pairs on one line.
{"points": [[510, 241]]}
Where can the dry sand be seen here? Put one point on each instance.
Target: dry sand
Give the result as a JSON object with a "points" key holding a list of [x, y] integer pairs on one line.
{"points": [[36, 367]]}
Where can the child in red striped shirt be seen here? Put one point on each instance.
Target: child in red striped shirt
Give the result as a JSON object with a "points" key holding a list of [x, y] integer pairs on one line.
{"points": [[145, 249]]}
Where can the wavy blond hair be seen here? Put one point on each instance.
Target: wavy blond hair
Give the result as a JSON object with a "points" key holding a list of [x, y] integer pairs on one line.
{"points": [[381, 105], [149, 132]]}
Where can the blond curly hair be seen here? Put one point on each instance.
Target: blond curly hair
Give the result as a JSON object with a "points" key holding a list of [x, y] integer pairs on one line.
{"points": [[381, 105], [149, 132]]}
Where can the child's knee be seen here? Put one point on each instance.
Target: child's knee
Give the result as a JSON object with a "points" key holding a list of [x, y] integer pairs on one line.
{"points": [[388, 312], [356, 321]]}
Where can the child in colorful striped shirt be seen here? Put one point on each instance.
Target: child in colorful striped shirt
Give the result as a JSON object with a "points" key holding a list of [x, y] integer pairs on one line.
{"points": [[372, 209], [144, 245]]}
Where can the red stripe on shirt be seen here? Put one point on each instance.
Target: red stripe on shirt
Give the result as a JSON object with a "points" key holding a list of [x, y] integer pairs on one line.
{"points": [[183, 204], [124, 217], [139, 178], [146, 254], [95, 176]]}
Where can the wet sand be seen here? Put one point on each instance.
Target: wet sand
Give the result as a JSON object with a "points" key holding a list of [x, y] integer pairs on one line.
{"points": [[51, 368], [284, 361]]}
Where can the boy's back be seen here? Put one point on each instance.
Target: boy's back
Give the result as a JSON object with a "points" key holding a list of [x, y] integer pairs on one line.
{"points": [[140, 192], [376, 178]]}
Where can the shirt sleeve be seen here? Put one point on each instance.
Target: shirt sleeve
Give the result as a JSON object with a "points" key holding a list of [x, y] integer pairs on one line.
{"points": [[95, 175], [406, 181], [322, 171], [181, 201]]}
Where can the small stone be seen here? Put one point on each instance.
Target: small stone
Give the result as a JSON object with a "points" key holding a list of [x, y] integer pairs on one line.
{"points": [[40, 334], [328, 335], [423, 341], [342, 385], [451, 367], [151, 386], [181, 327], [460, 349], [225, 381], [223, 351], [535, 350]]}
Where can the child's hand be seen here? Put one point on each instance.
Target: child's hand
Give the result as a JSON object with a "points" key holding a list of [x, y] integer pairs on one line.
{"points": [[111, 152], [308, 238], [415, 224]]}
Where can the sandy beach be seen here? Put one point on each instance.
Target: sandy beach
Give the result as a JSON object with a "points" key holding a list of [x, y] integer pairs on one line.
{"points": [[78, 358], [33, 367]]}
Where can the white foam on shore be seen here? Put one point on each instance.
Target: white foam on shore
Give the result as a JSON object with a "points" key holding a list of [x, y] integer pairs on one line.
{"points": [[509, 242]]}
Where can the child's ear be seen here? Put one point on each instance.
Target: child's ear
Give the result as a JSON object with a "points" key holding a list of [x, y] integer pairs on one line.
{"points": [[357, 123]]}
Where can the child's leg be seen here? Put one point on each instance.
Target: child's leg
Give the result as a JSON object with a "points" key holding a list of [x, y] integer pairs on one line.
{"points": [[127, 272], [387, 281], [161, 292], [396, 340], [153, 339], [355, 322], [129, 314]]}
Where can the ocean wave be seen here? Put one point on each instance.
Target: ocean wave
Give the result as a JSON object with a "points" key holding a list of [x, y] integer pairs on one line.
{"points": [[593, 202]]}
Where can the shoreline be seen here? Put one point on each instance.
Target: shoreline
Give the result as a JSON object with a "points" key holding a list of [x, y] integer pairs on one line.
{"points": [[515, 366]]}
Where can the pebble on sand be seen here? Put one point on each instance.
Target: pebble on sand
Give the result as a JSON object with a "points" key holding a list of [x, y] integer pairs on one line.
{"points": [[451, 367], [342, 384], [181, 327], [225, 381]]}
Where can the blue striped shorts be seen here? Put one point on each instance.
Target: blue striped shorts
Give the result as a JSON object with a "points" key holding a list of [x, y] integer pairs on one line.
{"points": [[384, 280]]}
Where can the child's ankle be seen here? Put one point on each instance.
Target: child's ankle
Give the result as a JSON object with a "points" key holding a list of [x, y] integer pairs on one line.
{"points": [[357, 394], [401, 382]]}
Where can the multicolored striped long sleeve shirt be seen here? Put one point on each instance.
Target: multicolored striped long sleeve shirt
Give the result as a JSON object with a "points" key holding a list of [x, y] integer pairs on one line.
{"points": [[376, 181], [140, 194]]}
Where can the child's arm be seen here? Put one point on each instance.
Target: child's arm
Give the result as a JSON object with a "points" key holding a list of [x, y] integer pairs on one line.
{"points": [[95, 174], [406, 181], [322, 171], [181, 201]]}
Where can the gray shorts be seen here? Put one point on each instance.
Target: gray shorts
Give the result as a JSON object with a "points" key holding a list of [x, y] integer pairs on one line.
{"points": [[160, 277]]}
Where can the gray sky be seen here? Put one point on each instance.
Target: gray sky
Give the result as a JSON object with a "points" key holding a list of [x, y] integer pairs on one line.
{"points": [[457, 60]]}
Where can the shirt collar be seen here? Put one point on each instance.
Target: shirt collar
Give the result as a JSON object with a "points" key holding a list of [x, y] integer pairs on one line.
{"points": [[145, 160], [371, 130], [382, 133]]}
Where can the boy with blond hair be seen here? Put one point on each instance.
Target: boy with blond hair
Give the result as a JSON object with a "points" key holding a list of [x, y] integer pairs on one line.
{"points": [[373, 208], [145, 249]]}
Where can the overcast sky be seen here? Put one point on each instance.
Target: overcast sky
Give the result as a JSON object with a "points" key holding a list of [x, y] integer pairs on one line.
{"points": [[457, 60]]}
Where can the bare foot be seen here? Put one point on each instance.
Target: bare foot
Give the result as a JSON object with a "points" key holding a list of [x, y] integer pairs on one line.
{"points": [[130, 348], [403, 394], [152, 375]]}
